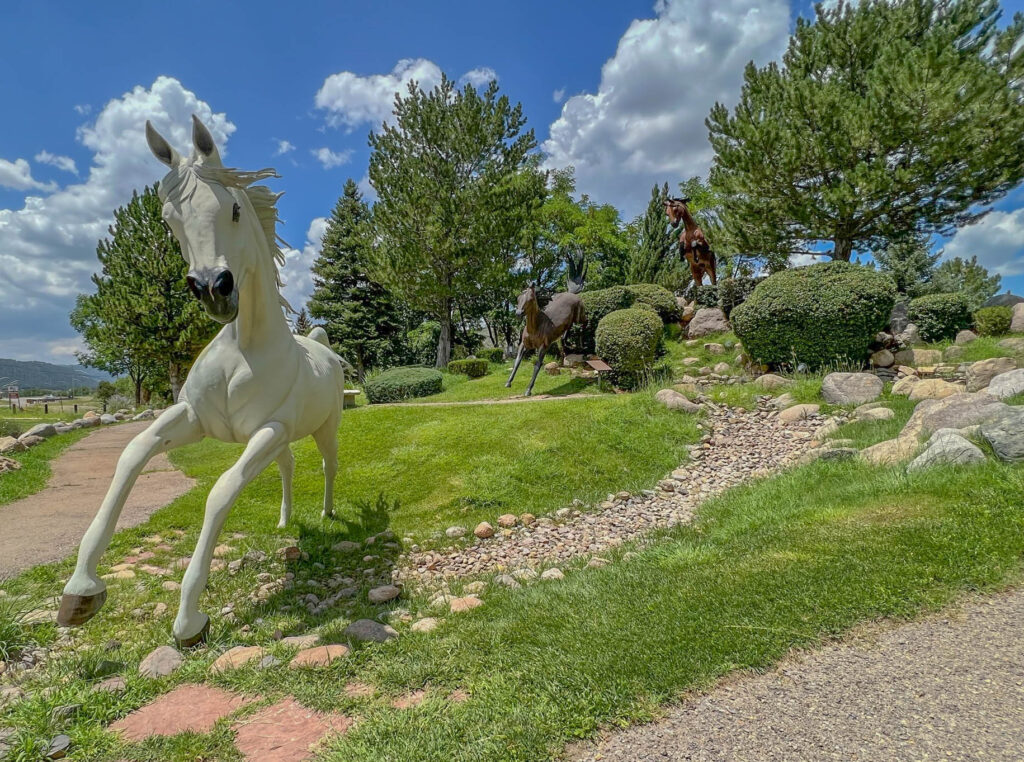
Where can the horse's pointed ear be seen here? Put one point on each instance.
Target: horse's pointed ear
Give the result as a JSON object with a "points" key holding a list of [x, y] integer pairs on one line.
{"points": [[203, 142], [160, 147]]}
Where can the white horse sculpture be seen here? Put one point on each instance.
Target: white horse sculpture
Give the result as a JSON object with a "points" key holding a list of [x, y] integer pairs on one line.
{"points": [[254, 383]]}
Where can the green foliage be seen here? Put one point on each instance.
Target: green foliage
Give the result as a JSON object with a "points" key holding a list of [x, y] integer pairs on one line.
{"points": [[402, 383], [910, 263], [491, 354], [474, 368], [734, 291], [628, 340], [104, 391], [883, 117], [653, 248], [142, 321], [940, 316], [597, 304], [661, 299], [825, 313], [706, 295], [422, 341], [993, 321], [457, 182], [968, 278], [303, 325]]}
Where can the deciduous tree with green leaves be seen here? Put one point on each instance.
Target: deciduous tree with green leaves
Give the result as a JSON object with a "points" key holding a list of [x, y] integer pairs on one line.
{"points": [[142, 321], [360, 316], [885, 118], [966, 277], [456, 183]]}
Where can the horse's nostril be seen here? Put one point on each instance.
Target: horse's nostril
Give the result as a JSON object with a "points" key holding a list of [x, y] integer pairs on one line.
{"points": [[224, 284], [194, 286]]}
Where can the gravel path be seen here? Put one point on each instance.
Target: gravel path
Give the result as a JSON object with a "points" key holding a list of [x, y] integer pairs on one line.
{"points": [[48, 525], [736, 447], [948, 687]]}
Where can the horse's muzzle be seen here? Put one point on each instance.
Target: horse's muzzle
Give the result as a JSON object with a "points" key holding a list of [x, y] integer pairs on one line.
{"points": [[216, 290]]}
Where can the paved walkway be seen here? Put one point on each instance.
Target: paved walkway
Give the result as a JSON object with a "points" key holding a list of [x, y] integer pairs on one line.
{"points": [[947, 687], [48, 525]]}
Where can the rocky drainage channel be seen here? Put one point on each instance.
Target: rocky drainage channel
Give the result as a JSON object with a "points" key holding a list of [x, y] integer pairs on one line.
{"points": [[737, 445]]}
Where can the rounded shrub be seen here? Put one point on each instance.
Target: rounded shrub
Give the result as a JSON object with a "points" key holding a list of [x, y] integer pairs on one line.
{"points": [[732, 292], [661, 299], [402, 383], [939, 316], [825, 313], [628, 340], [706, 295], [472, 367], [597, 304], [491, 354], [993, 321]]}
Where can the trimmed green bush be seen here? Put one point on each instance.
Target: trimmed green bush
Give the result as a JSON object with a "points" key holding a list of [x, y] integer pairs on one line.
{"points": [[402, 383], [732, 292], [706, 296], [993, 321], [939, 316], [628, 340], [474, 368], [491, 354], [597, 304], [661, 299], [820, 314]]}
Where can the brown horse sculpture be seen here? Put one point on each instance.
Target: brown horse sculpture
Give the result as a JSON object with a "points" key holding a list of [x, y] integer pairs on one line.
{"points": [[693, 244], [544, 326]]}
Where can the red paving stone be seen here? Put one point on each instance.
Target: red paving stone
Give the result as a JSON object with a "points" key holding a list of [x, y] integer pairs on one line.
{"points": [[187, 707], [286, 731]]}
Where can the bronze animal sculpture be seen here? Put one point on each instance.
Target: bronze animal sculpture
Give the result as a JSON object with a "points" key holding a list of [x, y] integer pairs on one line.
{"points": [[693, 244], [545, 326]]}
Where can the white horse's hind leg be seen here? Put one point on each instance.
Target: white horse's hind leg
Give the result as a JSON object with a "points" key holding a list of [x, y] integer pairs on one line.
{"points": [[85, 591], [286, 464], [190, 626], [326, 438]]}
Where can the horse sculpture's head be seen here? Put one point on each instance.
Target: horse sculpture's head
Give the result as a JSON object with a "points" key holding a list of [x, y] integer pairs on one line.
{"points": [[208, 219], [675, 208], [529, 295]]}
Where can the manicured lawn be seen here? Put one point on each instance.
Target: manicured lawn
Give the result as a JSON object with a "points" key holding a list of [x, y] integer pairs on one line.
{"points": [[460, 388]]}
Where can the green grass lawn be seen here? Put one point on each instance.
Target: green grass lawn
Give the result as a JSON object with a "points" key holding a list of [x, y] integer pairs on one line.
{"points": [[35, 466], [982, 348], [460, 388]]}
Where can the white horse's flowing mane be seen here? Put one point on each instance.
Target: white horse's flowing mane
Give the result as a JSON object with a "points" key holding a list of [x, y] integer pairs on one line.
{"points": [[182, 182]]}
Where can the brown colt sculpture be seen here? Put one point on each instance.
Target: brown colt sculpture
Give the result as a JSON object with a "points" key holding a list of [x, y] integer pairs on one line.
{"points": [[693, 244]]}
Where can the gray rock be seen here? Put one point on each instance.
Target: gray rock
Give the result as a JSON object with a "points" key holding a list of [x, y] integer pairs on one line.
{"points": [[772, 381], [44, 430], [58, 748], [980, 373], [851, 388], [899, 318], [953, 412], [1002, 386], [384, 593], [1014, 345], [883, 358], [947, 448], [706, 321], [371, 631], [455, 532], [30, 440], [145, 415], [1017, 321], [965, 337], [107, 418], [161, 662], [346, 546], [10, 444], [673, 400], [838, 453], [1006, 435], [909, 336]]}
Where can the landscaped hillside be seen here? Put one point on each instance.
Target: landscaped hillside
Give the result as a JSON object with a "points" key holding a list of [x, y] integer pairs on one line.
{"points": [[44, 375]]}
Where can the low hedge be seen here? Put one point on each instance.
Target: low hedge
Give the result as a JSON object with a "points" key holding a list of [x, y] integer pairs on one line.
{"points": [[402, 383], [661, 299], [472, 367], [491, 354], [993, 321], [939, 316], [821, 314], [628, 340]]}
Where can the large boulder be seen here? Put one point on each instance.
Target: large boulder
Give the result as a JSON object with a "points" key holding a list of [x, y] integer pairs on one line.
{"points": [[1013, 345], [10, 444], [965, 336], [44, 430], [1003, 300], [979, 374], [933, 389], [673, 400], [904, 386], [955, 412], [910, 336], [1006, 435], [851, 388], [706, 321], [1017, 321], [890, 452], [1004, 385], [798, 413], [883, 358], [771, 381], [947, 447], [917, 357], [899, 318]]}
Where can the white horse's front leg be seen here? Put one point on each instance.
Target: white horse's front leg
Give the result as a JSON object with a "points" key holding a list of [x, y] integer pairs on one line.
{"points": [[85, 592], [326, 438], [190, 626], [286, 464]]}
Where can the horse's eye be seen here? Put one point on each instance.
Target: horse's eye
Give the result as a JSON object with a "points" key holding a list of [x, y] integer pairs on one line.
{"points": [[235, 211]]}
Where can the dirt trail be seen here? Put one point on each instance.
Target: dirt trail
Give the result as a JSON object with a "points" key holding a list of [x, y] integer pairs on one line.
{"points": [[48, 525]]}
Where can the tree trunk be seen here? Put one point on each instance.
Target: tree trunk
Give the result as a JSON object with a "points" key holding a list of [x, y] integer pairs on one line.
{"points": [[138, 390], [444, 341], [174, 376], [843, 249]]}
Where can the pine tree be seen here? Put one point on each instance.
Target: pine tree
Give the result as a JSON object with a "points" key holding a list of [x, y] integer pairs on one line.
{"points": [[142, 321], [361, 318], [967, 277], [655, 243], [303, 325], [910, 263], [884, 119]]}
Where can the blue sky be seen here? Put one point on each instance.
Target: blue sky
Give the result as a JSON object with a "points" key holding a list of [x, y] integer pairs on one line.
{"points": [[618, 89]]}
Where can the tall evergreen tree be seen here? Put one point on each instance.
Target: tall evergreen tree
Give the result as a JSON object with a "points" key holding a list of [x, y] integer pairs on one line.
{"points": [[886, 117], [303, 325], [967, 277], [142, 321], [362, 320], [456, 183], [910, 263], [654, 246]]}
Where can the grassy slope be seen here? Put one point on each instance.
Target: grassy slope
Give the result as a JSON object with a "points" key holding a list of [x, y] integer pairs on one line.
{"points": [[460, 388], [35, 467]]}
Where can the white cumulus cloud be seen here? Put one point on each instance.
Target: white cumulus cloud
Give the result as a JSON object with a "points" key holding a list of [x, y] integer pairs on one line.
{"points": [[297, 272], [65, 163], [997, 240], [479, 76], [48, 246], [558, 95], [17, 175], [645, 123], [331, 159], [283, 147]]}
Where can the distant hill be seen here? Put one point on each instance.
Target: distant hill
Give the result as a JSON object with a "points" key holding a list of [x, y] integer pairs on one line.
{"points": [[44, 375]]}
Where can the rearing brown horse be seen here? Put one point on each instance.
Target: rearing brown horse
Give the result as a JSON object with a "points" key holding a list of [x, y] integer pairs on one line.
{"points": [[693, 244], [544, 326]]}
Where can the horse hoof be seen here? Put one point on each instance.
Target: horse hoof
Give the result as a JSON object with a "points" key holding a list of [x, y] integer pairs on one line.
{"points": [[76, 610], [196, 640]]}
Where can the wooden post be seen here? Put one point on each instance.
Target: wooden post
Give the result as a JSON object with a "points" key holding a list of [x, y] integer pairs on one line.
{"points": [[46, 408], [76, 408]]}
